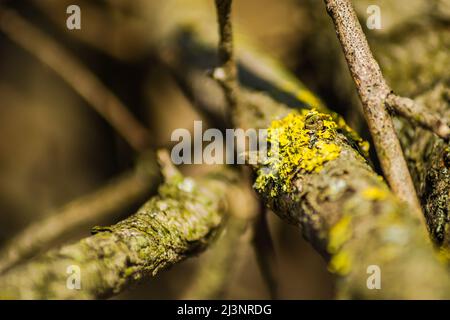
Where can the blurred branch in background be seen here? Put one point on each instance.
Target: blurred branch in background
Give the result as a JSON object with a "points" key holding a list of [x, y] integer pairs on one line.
{"points": [[213, 276], [265, 252], [77, 76]]}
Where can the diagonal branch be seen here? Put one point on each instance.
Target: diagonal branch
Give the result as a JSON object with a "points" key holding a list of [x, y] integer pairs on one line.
{"points": [[373, 91]]}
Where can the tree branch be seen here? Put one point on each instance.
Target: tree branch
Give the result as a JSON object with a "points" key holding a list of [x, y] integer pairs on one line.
{"points": [[115, 197], [373, 91], [344, 209], [180, 222], [418, 114], [265, 252], [227, 74]]}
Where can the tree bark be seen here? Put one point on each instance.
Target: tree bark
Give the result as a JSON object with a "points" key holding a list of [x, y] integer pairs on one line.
{"points": [[178, 223], [344, 209]]}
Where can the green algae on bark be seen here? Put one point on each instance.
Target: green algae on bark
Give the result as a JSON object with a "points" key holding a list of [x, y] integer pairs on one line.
{"points": [[180, 222]]}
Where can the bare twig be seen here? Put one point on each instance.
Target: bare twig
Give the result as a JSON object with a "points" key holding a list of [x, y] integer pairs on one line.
{"points": [[226, 74], [83, 81], [417, 113], [373, 91]]}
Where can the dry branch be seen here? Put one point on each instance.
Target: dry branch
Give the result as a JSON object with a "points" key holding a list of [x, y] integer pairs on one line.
{"points": [[411, 52], [265, 252]]}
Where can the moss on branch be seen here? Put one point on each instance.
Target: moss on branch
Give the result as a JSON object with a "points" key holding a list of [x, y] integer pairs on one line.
{"points": [[180, 222]]}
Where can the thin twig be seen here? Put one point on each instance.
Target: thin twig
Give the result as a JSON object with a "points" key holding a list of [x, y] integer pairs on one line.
{"points": [[227, 74], [373, 91], [265, 252], [417, 113], [361, 207], [82, 80]]}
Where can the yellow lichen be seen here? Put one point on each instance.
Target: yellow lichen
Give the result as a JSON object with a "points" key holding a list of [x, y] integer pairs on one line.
{"points": [[339, 234], [300, 143], [340, 263], [374, 193]]}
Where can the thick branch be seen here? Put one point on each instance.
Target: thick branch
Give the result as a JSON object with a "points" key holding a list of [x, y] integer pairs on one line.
{"points": [[176, 224], [373, 91]]}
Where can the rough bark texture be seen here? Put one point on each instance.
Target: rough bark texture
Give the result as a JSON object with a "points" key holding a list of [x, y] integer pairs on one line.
{"points": [[176, 224], [344, 208], [347, 212], [415, 62], [411, 48]]}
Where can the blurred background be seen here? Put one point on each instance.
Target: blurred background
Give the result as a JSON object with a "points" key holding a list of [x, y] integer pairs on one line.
{"points": [[55, 148]]}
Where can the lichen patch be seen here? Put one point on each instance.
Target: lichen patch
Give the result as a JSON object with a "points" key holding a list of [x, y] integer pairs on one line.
{"points": [[300, 143]]}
